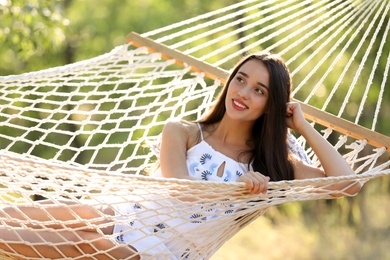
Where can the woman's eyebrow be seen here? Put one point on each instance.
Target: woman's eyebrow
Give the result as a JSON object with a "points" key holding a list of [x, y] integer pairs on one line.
{"points": [[259, 83]]}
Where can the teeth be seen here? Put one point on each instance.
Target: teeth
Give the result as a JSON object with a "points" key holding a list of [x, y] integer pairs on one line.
{"points": [[239, 104]]}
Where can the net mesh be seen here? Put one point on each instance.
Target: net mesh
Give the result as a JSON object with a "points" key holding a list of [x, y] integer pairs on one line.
{"points": [[84, 134], [102, 113]]}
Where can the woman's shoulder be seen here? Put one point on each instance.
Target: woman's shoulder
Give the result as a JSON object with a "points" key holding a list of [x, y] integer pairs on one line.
{"points": [[182, 129], [182, 126]]}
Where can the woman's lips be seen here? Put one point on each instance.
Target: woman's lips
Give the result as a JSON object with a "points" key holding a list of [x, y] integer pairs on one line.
{"points": [[239, 105]]}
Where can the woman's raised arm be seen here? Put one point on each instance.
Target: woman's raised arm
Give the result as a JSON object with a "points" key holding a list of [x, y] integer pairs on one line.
{"points": [[333, 164]]}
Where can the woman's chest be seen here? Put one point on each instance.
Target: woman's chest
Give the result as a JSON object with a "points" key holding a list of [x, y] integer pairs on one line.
{"points": [[205, 163]]}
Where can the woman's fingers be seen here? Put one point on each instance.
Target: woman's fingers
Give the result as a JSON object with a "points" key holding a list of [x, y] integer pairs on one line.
{"points": [[290, 109], [256, 182], [294, 116], [261, 183]]}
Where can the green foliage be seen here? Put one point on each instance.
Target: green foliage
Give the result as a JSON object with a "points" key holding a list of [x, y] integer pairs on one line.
{"points": [[29, 28], [46, 33]]}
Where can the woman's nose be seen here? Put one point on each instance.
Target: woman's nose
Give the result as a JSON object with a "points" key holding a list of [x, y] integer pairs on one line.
{"points": [[244, 92]]}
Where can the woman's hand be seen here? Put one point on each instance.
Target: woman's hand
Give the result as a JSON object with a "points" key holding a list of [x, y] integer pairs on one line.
{"points": [[256, 182], [294, 117], [333, 164]]}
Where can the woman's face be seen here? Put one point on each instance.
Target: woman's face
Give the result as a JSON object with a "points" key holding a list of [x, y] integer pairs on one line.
{"points": [[248, 92]]}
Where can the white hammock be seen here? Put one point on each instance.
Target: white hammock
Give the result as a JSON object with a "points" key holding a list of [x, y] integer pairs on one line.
{"points": [[93, 123]]}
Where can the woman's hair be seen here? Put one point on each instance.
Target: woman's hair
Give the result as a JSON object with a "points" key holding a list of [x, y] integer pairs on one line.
{"points": [[269, 154]]}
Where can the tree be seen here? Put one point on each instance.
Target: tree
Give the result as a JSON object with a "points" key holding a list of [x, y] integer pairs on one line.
{"points": [[29, 29]]}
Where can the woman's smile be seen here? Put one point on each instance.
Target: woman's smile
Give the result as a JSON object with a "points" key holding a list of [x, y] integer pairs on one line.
{"points": [[239, 105]]}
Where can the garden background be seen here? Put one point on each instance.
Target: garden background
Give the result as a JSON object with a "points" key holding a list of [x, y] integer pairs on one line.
{"points": [[42, 34]]}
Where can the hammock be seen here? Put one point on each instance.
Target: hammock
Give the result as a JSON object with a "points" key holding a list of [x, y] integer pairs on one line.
{"points": [[85, 133]]}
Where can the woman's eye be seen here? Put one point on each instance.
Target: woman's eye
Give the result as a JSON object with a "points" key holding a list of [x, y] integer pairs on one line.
{"points": [[239, 79], [259, 91]]}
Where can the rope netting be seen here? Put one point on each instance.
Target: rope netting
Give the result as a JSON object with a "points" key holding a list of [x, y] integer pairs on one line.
{"points": [[333, 48], [85, 133]]}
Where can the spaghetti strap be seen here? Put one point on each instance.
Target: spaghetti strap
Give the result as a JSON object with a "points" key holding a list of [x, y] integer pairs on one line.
{"points": [[200, 130]]}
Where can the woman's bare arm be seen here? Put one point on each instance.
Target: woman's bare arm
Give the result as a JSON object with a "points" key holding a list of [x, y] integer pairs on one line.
{"points": [[174, 145], [333, 164]]}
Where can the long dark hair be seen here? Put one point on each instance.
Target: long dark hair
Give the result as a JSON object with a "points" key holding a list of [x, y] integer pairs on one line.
{"points": [[269, 154]]}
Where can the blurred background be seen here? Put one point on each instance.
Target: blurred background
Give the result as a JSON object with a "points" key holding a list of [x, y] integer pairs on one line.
{"points": [[38, 34], [42, 34]]}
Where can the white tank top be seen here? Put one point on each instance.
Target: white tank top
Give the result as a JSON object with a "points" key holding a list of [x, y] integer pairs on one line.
{"points": [[205, 163]]}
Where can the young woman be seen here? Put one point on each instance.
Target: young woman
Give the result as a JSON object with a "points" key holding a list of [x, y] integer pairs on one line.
{"points": [[243, 138]]}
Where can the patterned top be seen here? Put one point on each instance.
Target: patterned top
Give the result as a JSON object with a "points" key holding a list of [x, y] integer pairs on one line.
{"points": [[204, 162]]}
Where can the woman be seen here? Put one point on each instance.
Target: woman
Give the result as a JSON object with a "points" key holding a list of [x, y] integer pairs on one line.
{"points": [[243, 138], [249, 124]]}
